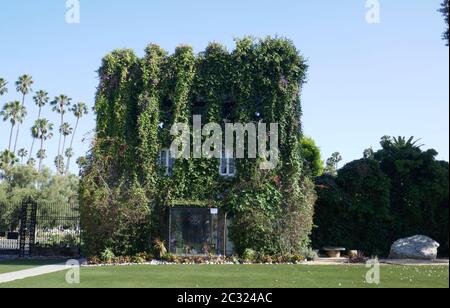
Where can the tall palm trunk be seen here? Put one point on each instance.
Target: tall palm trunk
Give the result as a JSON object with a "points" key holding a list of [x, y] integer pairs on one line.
{"points": [[10, 137], [60, 134], [34, 139], [71, 144], [64, 144], [40, 159], [18, 127]]}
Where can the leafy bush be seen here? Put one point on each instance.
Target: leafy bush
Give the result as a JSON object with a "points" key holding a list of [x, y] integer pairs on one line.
{"points": [[249, 255], [359, 258], [168, 257], [394, 193], [298, 258], [309, 254], [108, 256]]}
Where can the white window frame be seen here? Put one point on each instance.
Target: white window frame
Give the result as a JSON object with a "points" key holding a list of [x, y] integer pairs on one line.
{"points": [[166, 162], [230, 160]]}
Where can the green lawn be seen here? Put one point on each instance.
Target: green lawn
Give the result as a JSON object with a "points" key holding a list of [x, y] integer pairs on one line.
{"points": [[244, 276], [7, 266]]}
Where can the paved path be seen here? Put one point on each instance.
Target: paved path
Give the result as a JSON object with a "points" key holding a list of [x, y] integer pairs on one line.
{"points": [[33, 272]]}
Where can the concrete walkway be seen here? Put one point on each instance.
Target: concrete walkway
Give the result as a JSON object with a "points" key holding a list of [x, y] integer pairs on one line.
{"points": [[33, 272]]}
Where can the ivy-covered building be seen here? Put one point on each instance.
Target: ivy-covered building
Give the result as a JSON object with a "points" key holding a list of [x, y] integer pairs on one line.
{"points": [[133, 191]]}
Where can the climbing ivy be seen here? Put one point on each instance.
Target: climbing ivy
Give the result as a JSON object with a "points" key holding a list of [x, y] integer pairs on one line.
{"points": [[138, 100]]}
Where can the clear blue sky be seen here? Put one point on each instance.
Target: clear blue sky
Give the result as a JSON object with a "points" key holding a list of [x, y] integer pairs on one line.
{"points": [[365, 81]]}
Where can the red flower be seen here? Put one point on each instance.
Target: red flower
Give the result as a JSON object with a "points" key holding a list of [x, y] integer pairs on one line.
{"points": [[322, 187], [277, 180]]}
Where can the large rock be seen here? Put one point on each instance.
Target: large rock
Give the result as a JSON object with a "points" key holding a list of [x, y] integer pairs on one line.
{"points": [[418, 247]]}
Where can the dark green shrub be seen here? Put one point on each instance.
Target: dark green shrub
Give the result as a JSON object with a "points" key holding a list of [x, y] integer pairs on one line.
{"points": [[396, 192]]}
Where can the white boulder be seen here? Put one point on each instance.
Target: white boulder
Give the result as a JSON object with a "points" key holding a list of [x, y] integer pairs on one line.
{"points": [[418, 247]]}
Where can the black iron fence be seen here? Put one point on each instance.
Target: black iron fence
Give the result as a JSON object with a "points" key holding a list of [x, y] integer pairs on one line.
{"points": [[40, 229]]}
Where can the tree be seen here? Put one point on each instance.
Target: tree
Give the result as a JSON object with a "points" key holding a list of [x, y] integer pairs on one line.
{"points": [[23, 181], [69, 154], [41, 155], [15, 113], [31, 161], [79, 110], [401, 143], [445, 7], [398, 191], [420, 188], [369, 153], [332, 164], [3, 88], [312, 156], [353, 209], [367, 206], [42, 130], [7, 158], [329, 217], [22, 154], [83, 163], [60, 105], [40, 99], [59, 164], [23, 85], [65, 130]]}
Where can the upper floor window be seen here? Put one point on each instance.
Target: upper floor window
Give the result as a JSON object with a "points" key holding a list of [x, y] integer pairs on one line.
{"points": [[228, 164], [166, 161]]}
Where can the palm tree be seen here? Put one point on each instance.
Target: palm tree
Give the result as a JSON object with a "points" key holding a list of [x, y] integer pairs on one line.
{"points": [[15, 113], [31, 161], [23, 85], [65, 130], [403, 143], [3, 88], [22, 154], [59, 163], [7, 158], [40, 99], [69, 154], [60, 105], [42, 130], [41, 155], [79, 110]]}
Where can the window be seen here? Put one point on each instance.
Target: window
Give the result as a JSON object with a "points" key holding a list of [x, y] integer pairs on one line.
{"points": [[166, 161], [199, 108], [194, 231], [228, 164], [228, 110]]}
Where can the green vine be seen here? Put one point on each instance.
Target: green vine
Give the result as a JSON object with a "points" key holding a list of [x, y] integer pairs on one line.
{"points": [[138, 101]]}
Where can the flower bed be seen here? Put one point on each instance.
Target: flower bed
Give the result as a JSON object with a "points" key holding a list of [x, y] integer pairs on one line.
{"points": [[169, 259]]}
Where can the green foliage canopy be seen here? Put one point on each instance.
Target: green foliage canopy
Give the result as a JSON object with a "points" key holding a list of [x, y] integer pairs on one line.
{"points": [[396, 192], [126, 195]]}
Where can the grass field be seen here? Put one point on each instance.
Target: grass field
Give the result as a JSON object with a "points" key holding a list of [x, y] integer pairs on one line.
{"points": [[244, 276]]}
